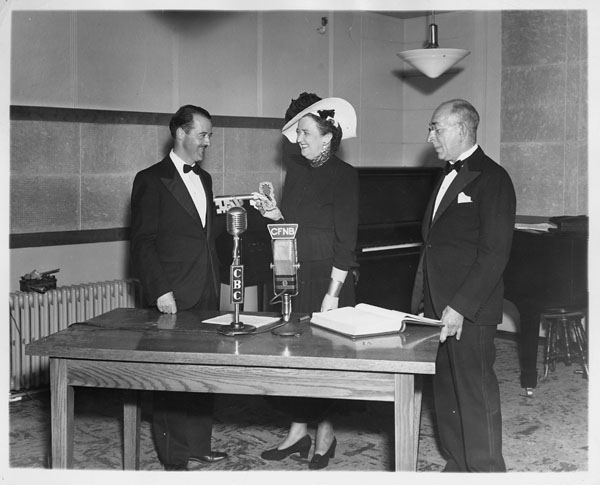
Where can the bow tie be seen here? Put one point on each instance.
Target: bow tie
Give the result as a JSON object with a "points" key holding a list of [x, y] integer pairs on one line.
{"points": [[196, 168], [453, 166]]}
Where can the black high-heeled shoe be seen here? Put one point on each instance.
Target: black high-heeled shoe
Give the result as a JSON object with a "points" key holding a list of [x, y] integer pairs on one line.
{"points": [[301, 446], [319, 462]]}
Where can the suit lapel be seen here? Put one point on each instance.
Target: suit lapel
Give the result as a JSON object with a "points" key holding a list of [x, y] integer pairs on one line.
{"points": [[174, 184], [429, 209], [464, 177]]}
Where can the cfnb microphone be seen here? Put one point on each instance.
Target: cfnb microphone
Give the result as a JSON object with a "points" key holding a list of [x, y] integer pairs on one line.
{"points": [[285, 265]]}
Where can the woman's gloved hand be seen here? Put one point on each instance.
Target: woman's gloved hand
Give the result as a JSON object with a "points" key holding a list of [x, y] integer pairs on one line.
{"points": [[329, 303], [266, 205]]}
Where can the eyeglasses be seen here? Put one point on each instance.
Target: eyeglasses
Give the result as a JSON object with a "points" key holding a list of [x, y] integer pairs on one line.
{"points": [[436, 129]]}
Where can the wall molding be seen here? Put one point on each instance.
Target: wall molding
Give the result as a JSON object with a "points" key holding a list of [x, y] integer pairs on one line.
{"points": [[78, 115], [63, 238]]}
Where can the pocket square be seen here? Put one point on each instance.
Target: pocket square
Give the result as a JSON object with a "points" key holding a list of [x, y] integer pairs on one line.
{"points": [[464, 198]]}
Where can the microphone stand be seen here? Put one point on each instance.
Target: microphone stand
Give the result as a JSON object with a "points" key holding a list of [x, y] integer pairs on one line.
{"points": [[236, 327]]}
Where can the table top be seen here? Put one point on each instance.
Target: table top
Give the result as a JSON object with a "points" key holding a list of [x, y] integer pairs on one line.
{"points": [[146, 335]]}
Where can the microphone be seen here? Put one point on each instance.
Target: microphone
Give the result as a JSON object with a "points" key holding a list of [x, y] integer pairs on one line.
{"points": [[237, 223], [285, 265]]}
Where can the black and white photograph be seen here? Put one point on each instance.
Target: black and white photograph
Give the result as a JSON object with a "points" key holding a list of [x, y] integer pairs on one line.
{"points": [[276, 238]]}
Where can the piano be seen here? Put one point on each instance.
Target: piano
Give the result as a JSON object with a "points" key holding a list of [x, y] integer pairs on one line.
{"points": [[545, 270], [391, 207]]}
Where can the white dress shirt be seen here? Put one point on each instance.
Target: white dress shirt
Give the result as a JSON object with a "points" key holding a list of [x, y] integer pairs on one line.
{"points": [[194, 185], [448, 179]]}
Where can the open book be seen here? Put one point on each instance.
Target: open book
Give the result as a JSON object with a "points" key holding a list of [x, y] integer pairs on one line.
{"points": [[365, 320]]}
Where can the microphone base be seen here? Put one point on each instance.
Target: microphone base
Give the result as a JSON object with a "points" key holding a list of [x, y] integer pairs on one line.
{"points": [[236, 329]]}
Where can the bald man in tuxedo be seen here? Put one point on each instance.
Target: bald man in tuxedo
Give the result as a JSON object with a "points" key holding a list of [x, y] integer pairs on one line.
{"points": [[467, 236]]}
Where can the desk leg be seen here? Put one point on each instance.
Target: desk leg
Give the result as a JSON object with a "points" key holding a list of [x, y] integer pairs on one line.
{"points": [[131, 430], [407, 410], [61, 412]]}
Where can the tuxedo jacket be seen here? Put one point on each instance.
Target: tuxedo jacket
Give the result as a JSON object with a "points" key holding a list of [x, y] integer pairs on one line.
{"points": [[171, 249], [467, 245]]}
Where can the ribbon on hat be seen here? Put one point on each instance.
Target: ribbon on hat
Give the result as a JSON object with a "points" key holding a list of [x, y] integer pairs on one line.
{"points": [[328, 115]]}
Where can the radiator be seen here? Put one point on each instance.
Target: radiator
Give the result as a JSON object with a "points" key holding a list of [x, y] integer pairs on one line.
{"points": [[36, 315]]}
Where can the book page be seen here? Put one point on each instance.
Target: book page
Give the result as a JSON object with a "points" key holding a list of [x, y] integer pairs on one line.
{"points": [[357, 322], [405, 317]]}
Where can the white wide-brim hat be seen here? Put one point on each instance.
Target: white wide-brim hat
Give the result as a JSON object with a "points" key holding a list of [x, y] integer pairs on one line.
{"points": [[344, 115]]}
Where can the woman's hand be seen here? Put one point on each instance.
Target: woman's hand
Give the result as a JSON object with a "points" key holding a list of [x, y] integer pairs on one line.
{"points": [[266, 205], [329, 303]]}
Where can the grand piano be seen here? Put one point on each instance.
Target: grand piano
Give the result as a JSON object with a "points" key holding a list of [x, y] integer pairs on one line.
{"points": [[545, 270]]}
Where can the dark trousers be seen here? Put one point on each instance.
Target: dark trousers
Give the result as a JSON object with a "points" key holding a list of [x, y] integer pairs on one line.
{"points": [[467, 401], [182, 421], [182, 425]]}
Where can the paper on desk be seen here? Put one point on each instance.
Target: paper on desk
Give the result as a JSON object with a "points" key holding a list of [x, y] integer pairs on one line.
{"points": [[254, 320], [538, 227]]}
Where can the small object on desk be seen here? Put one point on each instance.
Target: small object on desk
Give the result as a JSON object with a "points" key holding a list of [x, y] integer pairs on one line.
{"points": [[305, 318], [287, 331]]}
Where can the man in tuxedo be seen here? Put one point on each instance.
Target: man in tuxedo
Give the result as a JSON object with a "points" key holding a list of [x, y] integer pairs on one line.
{"points": [[467, 235], [174, 256]]}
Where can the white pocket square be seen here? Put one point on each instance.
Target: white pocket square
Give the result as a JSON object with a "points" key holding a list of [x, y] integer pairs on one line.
{"points": [[464, 198]]}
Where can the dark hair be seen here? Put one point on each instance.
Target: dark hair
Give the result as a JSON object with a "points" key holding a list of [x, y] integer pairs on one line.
{"points": [[184, 118], [297, 105], [325, 127]]}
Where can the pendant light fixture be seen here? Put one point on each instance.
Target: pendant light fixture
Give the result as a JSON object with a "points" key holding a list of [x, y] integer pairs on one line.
{"points": [[432, 60]]}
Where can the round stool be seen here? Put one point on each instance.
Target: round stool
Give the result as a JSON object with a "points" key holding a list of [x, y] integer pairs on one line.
{"points": [[566, 338]]}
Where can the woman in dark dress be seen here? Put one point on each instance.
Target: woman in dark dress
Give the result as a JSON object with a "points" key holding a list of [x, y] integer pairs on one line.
{"points": [[320, 195]]}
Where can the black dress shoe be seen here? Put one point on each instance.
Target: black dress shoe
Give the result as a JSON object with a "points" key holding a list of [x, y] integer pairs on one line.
{"points": [[321, 461], [301, 446], [177, 467], [211, 457]]}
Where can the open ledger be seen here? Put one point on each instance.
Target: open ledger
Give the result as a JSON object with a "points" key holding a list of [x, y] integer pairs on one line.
{"points": [[366, 320]]}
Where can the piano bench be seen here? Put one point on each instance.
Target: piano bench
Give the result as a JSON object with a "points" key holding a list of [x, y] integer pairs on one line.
{"points": [[566, 338]]}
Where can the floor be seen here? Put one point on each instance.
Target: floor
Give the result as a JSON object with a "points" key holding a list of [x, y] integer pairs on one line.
{"points": [[547, 432]]}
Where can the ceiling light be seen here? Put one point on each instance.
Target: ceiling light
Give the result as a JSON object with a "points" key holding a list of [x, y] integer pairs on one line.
{"points": [[432, 60]]}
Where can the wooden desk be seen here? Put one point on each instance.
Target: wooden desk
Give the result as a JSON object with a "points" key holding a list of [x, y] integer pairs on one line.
{"points": [[141, 349]]}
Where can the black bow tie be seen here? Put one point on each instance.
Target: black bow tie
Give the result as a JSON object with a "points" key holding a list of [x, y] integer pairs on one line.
{"points": [[453, 166], [195, 168]]}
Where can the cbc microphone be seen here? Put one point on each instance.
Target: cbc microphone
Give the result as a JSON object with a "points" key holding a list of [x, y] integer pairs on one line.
{"points": [[237, 221]]}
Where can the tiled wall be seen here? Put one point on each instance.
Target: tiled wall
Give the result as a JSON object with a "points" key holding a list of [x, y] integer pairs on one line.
{"points": [[544, 110], [70, 176]]}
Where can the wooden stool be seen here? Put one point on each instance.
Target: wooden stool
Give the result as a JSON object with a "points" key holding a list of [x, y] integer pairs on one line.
{"points": [[566, 338]]}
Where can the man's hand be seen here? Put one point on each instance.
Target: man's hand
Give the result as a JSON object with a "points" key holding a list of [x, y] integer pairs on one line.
{"points": [[166, 303], [453, 323]]}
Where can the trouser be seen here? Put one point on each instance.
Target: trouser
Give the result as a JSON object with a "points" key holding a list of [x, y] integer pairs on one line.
{"points": [[467, 401], [182, 425]]}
